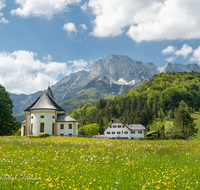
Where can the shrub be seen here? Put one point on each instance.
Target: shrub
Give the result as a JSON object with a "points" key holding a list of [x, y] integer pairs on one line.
{"points": [[40, 135]]}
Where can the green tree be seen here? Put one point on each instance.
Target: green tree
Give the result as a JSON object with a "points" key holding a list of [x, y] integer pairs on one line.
{"points": [[8, 124], [101, 125], [184, 126], [82, 131], [92, 129]]}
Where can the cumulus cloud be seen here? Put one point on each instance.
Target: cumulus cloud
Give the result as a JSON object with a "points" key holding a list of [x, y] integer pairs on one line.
{"points": [[83, 26], [70, 27], [170, 59], [169, 49], [21, 72], [147, 19], [184, 51], [196, 56], [41, 8], [2, 19], [84, 7]]}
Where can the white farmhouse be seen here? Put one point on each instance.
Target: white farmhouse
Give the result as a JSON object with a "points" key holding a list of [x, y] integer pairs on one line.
{"points": [[118, 129], [45, 115]]}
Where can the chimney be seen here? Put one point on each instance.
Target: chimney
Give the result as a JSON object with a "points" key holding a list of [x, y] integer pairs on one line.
{"points": [[112, 119]]}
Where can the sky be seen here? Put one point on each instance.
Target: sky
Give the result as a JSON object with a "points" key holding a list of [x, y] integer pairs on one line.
{"points": [[42, 41]]}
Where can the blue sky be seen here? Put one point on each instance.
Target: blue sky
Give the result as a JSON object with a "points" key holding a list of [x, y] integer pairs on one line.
{"points": [[44, 40]]}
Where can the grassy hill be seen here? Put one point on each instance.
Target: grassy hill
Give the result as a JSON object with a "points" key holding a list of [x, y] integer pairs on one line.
{"points": [[158, 99]]}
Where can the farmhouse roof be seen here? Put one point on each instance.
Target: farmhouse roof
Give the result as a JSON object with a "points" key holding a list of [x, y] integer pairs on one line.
{"points": [[117, 121], [64, 117], [136, 127], [44, 102]]}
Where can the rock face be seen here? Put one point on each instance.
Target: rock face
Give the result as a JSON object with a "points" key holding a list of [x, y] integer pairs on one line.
{"points": [[113, 75]]}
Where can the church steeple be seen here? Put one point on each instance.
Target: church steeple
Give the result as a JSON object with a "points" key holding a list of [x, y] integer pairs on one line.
{"points": [[49, 92]]}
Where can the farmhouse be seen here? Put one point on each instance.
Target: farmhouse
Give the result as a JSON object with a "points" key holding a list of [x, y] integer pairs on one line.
{"points": [[45, 115], [118, 129]]}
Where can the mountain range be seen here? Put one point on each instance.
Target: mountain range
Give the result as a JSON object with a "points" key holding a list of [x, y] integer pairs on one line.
{"points": [[106, 78]]}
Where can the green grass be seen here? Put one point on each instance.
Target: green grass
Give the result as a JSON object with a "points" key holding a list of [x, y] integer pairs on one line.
{"points": [[80, 163]]}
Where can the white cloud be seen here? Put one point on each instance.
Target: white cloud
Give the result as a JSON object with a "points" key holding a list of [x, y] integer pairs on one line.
{"points": [[78, 65], [70, 27], [84, 7], [196, 55], [41, 8], [147, 19], [2, 4], [184, 51], [83, 26], [169, 49], [21, 72], [4, 20], [170, 59]]}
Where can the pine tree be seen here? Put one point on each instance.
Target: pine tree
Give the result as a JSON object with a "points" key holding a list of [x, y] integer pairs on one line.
{"points": [[8, 124]]}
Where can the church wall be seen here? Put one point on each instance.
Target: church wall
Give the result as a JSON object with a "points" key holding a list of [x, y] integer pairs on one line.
{"points": [[47, 120], [66, 130]]}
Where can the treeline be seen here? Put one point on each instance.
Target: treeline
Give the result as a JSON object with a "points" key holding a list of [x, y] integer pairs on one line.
{"points": [[160, 97]]}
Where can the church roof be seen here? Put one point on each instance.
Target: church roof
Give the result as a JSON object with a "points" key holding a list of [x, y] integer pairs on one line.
{"points": [[44, 102], [64, 117], [49, 92]]}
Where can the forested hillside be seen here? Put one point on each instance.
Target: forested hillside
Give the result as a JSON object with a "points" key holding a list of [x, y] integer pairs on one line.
{"points": [[159, 97]]}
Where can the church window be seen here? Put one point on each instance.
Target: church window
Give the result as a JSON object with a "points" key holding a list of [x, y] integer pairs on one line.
{"points": [[41, 127], [53, 117], [31, 128], [70, 126], [42, 116], [53, 128], [31, 117], [61, 126]]}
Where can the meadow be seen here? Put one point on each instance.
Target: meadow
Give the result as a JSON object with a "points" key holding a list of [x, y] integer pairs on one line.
{"points": [[80, 163]]}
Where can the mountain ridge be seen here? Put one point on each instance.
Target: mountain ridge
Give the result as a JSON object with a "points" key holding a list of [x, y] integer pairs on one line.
{"points": [[113, 75]]}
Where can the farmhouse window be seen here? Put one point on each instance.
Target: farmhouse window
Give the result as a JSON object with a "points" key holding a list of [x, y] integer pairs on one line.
{"points": [[119, 126], [125, 132], [140, 132], [113, 132], [122, 126], [114, 126], [108, 132], [69, 134], [111, 126], [118, 132], [132, 132]]}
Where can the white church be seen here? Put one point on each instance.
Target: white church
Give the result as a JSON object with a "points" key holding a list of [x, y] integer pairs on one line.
{"points": [[45, 115]]}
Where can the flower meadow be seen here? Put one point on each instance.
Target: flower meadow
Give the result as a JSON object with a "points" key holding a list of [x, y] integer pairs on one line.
{"points": [[81, 163]]}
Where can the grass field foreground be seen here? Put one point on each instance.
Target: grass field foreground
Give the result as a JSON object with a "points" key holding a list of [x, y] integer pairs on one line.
{"points": [[80, 163]]}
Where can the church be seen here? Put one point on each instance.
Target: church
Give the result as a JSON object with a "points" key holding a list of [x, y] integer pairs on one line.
{"points": [[45, 115]]}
